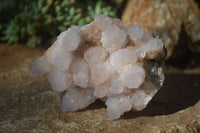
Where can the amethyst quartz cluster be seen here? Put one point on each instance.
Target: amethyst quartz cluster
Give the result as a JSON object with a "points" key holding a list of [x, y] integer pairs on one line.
{"points": [[104, 60]]}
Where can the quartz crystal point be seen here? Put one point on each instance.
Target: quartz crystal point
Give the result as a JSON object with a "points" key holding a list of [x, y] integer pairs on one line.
{"points": [[104, 60]]}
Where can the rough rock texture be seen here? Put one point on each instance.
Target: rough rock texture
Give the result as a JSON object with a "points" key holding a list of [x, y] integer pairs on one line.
{"points": [[166, 18], [104, 60], [27, 103]]}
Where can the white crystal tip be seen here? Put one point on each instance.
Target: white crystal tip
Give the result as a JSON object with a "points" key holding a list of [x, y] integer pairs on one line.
{"points": [[37, 67]]}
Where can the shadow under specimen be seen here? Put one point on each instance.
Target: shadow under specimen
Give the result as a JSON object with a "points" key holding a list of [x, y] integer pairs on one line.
{"points": [[179, 91]]}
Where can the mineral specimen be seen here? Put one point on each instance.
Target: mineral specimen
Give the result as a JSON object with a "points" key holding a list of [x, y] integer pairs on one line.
{"points": [[104, 60]]}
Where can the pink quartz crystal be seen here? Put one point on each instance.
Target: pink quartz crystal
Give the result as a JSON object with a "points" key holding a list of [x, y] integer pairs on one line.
{"points": [[104, 60]]}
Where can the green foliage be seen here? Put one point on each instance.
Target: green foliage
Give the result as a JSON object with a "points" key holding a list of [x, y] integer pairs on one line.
{"points": [[35, 21]]}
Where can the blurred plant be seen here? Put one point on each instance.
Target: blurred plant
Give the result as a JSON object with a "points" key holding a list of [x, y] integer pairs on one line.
{"points": [[41, 19], [8, 9]]}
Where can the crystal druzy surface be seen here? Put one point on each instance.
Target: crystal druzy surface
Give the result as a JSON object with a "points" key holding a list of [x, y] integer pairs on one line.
{"points": [[104, 60]]}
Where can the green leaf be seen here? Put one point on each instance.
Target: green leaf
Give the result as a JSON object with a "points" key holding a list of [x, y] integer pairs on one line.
{"points": [[66, 24], [60, 18], [49, 2], [44, 9], [57, 8], [48, 19], [61, 28], [30, 29], [71, 11], [33, 41]]}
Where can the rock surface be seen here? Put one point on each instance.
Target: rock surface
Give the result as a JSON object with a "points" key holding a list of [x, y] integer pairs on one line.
{"points": [[166, 19], [27, 103]]}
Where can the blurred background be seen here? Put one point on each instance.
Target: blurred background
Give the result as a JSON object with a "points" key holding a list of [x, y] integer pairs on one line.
{"points": [[36, 23], [29, 27]]}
